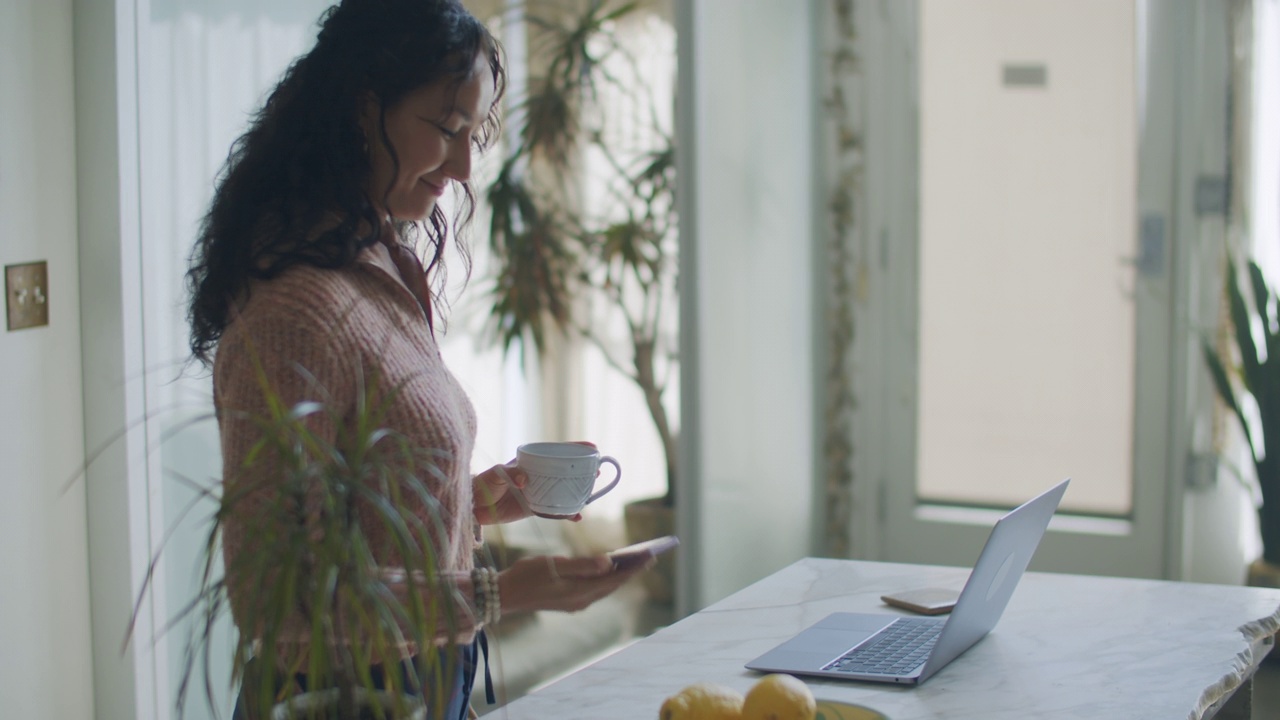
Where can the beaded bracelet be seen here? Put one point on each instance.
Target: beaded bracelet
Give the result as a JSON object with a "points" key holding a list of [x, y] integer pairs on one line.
{"points": [[488, 603], [493, 608]]}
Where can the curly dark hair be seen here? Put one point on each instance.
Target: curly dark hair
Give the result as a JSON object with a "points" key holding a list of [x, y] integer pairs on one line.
{"points": [[293, 188]]}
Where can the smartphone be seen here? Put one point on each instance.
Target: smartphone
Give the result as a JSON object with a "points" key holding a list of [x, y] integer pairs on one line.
{"points": [[926, 601], [632, 556]]}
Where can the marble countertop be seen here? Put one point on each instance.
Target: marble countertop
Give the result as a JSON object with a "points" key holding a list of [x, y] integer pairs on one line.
{"points": [[1068, 646]]}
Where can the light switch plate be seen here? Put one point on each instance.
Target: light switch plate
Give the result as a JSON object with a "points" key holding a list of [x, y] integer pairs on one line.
{"points": [[26, 294]]}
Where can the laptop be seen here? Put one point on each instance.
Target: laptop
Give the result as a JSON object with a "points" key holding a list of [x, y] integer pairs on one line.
{"points": [[908, 650]]}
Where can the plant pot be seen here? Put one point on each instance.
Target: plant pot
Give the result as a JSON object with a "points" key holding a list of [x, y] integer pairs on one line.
{"points": [[647, 519], [1263, 574], [323, 705]]}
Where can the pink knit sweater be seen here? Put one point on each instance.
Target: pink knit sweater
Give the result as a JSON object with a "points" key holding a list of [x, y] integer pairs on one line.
{"points": [[344, 326]]}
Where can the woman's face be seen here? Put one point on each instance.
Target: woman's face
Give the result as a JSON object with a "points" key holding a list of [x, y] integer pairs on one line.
{"points": [[431, 130]]}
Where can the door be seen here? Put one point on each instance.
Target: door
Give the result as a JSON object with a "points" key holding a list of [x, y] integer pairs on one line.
{"points": [[1023, 320]]}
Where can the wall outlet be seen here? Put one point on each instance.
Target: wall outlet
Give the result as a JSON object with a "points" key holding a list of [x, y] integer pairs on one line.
{"points": [[26, 294]]}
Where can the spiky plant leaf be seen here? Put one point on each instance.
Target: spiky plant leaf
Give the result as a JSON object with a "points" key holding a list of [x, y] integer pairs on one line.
{"points": [[536, 263], [1222, 383], [307, 556], [1242, 323]]}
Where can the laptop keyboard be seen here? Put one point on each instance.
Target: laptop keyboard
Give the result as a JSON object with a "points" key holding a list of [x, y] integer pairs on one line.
{"points": [[895, 650]]}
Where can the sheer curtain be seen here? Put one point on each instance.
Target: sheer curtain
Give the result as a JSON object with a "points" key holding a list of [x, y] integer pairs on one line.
{"points": [[203, 67]]}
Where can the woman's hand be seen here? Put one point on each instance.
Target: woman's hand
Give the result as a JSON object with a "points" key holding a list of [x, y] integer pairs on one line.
{"points": [[544, 582], [496, 493], [497, 497]]}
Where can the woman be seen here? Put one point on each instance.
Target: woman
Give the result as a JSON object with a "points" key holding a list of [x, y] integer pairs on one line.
{"points": [[306, 274]]}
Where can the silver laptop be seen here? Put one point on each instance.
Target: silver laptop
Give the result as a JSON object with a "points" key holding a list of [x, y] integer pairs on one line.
{"points": [[908, 650]]}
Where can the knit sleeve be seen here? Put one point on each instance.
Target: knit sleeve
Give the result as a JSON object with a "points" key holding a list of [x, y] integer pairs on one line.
{"points": [[277, 356]]}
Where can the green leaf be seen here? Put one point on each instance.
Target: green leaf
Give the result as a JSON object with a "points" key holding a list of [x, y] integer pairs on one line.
{"points": [[1222, 384], [1243, 325], [531, 294]]}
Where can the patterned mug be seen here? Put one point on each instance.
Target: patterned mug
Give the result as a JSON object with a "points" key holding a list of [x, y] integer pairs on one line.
{"points": [[562, 476]]}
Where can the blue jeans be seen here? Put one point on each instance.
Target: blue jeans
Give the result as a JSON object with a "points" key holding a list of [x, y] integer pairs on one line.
{"points": [[460, 661]]}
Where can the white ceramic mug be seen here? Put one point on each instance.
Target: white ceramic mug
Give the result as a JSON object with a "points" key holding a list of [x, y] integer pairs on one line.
{"points": [[562, 476]]}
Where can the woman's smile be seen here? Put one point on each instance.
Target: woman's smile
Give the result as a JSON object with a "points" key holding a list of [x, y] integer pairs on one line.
{"points": [[434, 189]]}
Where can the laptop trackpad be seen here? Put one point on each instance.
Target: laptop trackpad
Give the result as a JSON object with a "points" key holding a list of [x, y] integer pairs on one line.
{"points": [[835, 634], [813, 648]]}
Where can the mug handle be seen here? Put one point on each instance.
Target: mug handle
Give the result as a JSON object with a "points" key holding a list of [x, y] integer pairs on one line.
{"points": [[616, 477]]}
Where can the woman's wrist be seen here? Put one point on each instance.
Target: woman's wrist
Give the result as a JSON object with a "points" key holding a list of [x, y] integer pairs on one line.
{"points": [[514, 601], [487, 595]]}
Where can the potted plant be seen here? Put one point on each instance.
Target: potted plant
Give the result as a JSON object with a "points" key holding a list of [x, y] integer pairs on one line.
{"points": [[562, 267], [307, 555], [1252, 359]]}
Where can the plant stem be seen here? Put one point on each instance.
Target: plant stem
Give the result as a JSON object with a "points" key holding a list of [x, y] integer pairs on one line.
{"points": [[647, 380]]}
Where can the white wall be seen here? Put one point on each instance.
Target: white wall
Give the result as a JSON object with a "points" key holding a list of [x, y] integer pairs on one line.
{"points": [[747, 295], [45, 669]]}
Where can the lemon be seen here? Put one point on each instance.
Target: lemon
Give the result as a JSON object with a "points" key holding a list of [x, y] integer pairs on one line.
{"points": [[779, 697], [703, 701]]}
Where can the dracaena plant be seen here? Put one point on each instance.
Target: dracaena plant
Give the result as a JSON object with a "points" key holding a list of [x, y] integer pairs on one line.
{"points": [[1253, 361], [606, 275], [307, 577]]}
